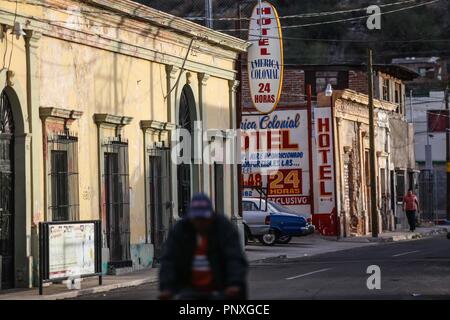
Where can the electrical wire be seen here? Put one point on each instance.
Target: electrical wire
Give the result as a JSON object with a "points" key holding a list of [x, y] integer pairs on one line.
{"points": [[350, 40], [339, 20], [12, 35], [6, 49], [182, 68], [94, 24], [293, 16]]}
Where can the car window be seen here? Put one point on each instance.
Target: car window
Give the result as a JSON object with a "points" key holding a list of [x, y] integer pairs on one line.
{"points": [[249, 206]]}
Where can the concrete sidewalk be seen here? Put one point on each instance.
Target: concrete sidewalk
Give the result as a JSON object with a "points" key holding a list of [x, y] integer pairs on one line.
{"points": [[421, 232], [88, 286]]}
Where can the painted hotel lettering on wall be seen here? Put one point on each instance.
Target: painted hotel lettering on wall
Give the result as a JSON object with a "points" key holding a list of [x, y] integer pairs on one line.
{"points": [[277, 140], [324, 172], [265, 58], [324, 148]]}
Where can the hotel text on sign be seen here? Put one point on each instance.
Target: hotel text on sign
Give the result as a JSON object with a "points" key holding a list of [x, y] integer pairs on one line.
{"points": [[265, 58], [324, 172]]}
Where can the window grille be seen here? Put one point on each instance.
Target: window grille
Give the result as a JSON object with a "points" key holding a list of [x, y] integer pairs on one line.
{"points": [[386, 90], [116, 200], [63, 176], [400, 186], [159, 202]]}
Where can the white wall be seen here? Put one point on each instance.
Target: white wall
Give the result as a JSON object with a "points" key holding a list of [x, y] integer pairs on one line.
{"points": [[420, 105]]}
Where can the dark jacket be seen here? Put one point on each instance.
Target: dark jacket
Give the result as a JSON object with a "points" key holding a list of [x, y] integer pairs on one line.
{"points": [[225, 255]]}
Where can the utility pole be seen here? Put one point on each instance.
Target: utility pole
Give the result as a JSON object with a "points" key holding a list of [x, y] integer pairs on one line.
{"points": [[208, 14], [411, 106], [238, 26], [447, 148], [373, 182]]}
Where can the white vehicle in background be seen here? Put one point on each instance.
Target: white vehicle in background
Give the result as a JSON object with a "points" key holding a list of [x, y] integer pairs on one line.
{"points": [[256, 223], [283, 223]]}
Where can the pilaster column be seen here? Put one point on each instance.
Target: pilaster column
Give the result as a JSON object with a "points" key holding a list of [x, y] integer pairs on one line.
{"points": [[205, 176], [340, 206], [235, 148], [25, 241], [171, 78], [35, 154], [235, 159]]}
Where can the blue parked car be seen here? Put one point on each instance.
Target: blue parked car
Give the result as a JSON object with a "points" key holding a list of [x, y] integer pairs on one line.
{"points": [[284, 223]]}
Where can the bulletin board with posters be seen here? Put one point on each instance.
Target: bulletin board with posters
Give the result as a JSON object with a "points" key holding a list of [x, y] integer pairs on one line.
{"points": [[275, 156], [69, 250]]}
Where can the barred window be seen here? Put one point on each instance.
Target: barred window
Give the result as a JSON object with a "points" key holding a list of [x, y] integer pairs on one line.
{"points": [[63, 177], [117, 198], [386, 90], [400, 185], [159, 196]]}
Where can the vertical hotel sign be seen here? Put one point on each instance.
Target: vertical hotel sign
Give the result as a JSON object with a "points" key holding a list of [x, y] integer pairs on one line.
{"points": [[324, 173], [265, 57]]}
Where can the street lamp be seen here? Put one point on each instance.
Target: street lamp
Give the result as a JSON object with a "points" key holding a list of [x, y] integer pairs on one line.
{"points": [[329, 90], [18, 30]]}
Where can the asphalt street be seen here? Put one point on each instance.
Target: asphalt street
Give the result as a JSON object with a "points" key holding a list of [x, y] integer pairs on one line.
{"points": [[409, 270]]}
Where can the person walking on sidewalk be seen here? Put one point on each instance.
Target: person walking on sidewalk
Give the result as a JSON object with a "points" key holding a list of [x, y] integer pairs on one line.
{"points": [[411, 206], [202, 257]]}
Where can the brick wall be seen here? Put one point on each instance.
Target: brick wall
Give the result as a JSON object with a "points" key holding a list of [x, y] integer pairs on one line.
{"points": [[357, 81], [294, 86]]}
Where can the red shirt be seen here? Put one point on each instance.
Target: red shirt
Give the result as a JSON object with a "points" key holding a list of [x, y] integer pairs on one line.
{"points": [[410, 202], [202, 277]]}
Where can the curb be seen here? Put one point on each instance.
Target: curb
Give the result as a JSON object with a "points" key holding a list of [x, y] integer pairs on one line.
{"points": [[100, 289], [87, 291], [404, 237]]}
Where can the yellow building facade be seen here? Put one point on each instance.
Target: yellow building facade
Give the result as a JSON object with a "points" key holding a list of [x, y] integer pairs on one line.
{"points": [[92, 92]]}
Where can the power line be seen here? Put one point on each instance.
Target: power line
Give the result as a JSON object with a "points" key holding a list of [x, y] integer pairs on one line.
{"points": [[102, 24], [12, 36], [293, 16], [339, 20], [307, 15], [95, 24], [350, 40]]}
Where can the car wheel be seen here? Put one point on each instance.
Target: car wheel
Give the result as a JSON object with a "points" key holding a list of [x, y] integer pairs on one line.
{"points": [[268, 239], [284, 239]]}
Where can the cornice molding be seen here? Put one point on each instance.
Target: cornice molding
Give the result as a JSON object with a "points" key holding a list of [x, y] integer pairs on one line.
{"points": [[363, 99], [59, 113], [32, 38], [173, 30], [203, 78], [233, 85], [177, 24], [171, 71], [112, 120], [156, 126]]}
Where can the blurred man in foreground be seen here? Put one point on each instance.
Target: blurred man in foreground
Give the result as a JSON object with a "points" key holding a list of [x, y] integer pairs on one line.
{"points": [[203, 258]]}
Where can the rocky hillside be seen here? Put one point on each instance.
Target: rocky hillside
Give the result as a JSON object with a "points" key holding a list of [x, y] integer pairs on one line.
{"points": [[341, 42]]}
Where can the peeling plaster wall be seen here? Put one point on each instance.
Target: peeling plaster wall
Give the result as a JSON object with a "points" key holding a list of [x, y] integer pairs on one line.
{"points": [[352, 175], [95, 81], [402, 147], [97, 63]]}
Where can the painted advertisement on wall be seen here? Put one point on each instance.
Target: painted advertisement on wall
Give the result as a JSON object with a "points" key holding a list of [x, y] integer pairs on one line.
{"points": [[71, 250], [324, 172], [275, 155]]}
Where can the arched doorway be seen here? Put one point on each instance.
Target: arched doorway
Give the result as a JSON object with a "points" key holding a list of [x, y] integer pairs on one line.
{"points": [[6, 192], [186, 118]]}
